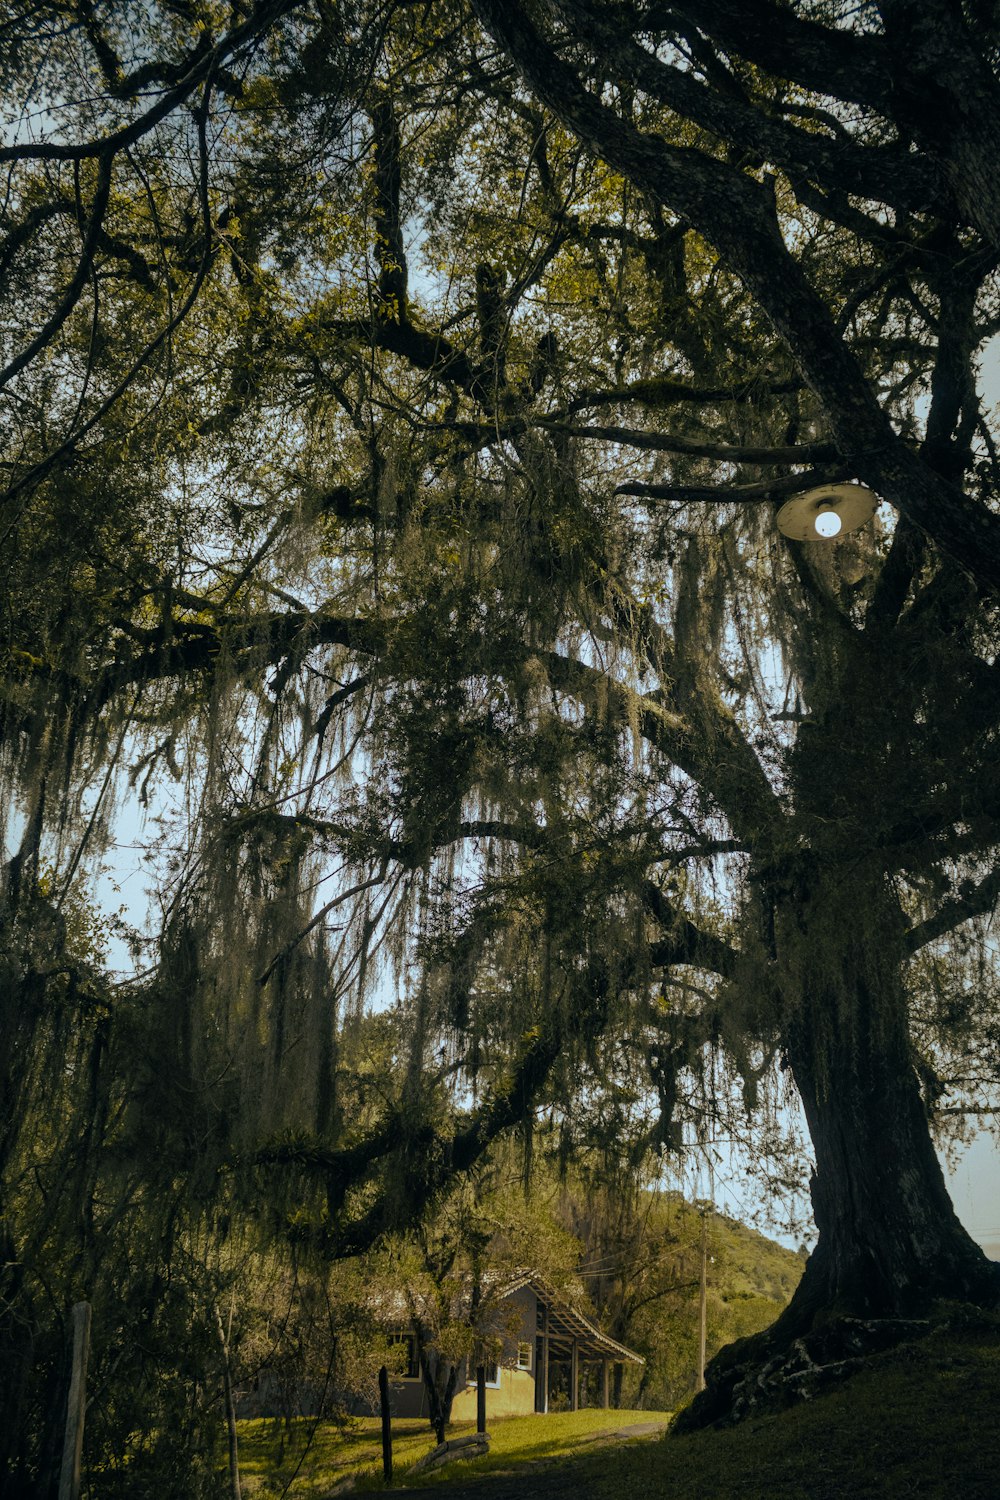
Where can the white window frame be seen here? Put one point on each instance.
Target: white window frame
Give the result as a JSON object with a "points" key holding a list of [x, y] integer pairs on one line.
{"points": [[491, 1385], [524, 1355]]}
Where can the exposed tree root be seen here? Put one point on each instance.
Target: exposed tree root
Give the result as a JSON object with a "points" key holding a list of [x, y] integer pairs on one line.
{"points": [[779, 1368]]}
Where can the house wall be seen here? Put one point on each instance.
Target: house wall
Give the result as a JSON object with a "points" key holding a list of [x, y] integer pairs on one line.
{"points": [[515, 1398], [515, 1394]]}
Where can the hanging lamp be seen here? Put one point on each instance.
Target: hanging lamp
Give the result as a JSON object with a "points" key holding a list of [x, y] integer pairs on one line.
{"points": [[827, 513]]}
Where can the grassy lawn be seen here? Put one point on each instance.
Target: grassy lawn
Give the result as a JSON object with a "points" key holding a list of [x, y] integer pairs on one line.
{"points": [[269, 1453], [921, 1421]]}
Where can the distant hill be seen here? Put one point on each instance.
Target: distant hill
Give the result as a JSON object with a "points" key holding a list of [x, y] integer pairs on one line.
{"points": [[750, 1262], [750, 1279]]}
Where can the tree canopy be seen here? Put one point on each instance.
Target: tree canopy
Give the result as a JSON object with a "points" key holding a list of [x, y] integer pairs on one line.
{"points": [[396, 403]]}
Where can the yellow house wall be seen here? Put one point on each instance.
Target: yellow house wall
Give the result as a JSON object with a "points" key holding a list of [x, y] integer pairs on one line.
{"points": [[515, 1398], [515, 1394]]}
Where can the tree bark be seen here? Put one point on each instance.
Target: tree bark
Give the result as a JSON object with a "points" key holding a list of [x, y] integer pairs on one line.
{"points": [[890, 1244], [440, 1392], [76, 1405], [889, 1239]]}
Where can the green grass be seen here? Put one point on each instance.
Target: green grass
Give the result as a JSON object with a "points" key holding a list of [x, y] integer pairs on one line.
{"points": [[356, 1449], [920, 1421], [327, 1452], [517, 1441]]}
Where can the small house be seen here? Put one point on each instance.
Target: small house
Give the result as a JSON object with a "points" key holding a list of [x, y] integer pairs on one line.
{"points": [[555, 1358]]}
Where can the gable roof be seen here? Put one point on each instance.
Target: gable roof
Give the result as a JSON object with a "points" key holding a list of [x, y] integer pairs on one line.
{"points": [[564, 1323]]}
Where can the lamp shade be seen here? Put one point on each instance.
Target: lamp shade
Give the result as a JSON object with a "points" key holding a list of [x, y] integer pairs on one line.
{"points": [[827, 513]]}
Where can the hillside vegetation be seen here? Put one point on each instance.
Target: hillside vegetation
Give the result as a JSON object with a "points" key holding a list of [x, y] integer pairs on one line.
{"points": [[750, 1280]]}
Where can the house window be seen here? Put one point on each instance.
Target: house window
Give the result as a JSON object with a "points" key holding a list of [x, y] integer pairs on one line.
{"points": [[524, 1356], [492, 1375], [410, 1365]]}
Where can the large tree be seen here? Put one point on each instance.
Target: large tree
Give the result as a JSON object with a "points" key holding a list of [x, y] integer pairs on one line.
{"points": [[396, 407]]}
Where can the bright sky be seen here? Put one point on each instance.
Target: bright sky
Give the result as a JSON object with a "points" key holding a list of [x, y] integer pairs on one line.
{"points": [[974, 1185]]}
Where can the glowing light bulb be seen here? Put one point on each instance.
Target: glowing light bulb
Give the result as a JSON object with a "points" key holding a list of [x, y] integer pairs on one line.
{"points": [[827, 523]]}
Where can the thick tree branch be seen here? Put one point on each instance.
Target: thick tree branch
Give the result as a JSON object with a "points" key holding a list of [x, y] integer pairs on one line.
{"points": [[482, 434], [428, 1160], [200, 64], [664, 391], [424, 350], [187, 647], [946, 93], [80, 277], [973, 900], [734, 453], [735, 494], [827, 60], [77, 433], [737, 214], [716, 756], [887, 174], [685, 943], [21, 234], [389, 250]]}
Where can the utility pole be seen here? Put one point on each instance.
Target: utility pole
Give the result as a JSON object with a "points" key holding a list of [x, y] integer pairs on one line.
{"points": [[703, 1301]]}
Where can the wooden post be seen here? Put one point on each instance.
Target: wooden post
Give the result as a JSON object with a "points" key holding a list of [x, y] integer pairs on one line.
{"points": [[605, 1392], [574, 1377], [227, 1393], [76, 1405], [703, 1302], [545, 1358], [480, 1398], [383, 1401]]}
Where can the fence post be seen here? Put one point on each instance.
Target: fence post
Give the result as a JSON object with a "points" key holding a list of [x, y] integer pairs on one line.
{"points": [[76, 1405], [480, 1398], [383, 1401]]}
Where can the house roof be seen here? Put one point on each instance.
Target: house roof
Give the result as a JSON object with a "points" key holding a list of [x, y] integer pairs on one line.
{"points": [[560, 1319], [563, 1323]]}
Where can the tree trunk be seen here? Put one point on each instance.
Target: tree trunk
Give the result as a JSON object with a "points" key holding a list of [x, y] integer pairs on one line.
{"points": [[76, 1405], [890, 1243], [439, 1381], [889, 1240], [480, 1398]]}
